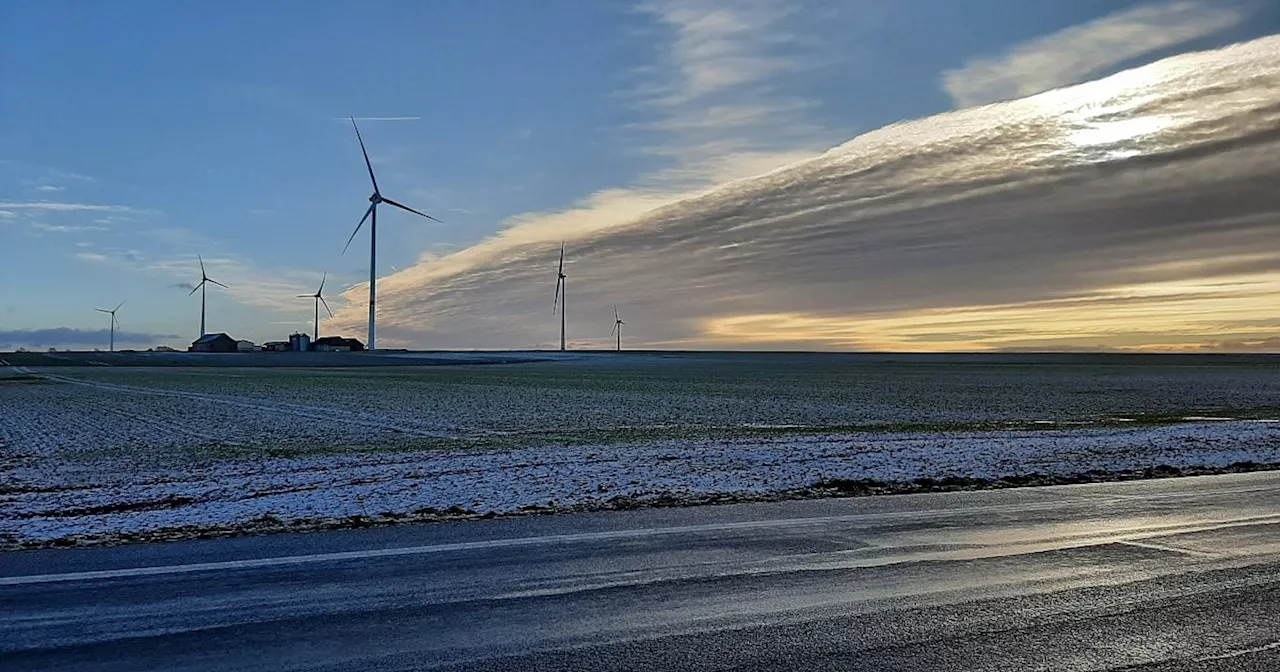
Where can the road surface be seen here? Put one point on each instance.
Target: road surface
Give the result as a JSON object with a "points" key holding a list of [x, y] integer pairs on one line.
{"points": [[1160, 576]]}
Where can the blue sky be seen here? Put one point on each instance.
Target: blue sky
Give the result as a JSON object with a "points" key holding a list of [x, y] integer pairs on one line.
{"points": [[134, 136]]}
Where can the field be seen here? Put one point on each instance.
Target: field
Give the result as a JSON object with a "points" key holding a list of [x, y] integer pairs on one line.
{"points": [[107, 451]]}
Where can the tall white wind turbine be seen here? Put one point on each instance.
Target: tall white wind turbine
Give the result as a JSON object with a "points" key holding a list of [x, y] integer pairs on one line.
{"points": [[319, 298], [561, 288], [617, 327], [372, 215], [112, 313], [204, 280]]}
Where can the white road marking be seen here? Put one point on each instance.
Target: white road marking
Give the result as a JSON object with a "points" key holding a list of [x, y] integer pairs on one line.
{"points": [[1104, 537]]}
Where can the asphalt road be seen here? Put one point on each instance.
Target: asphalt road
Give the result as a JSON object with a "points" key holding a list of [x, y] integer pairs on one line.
{"points": [[1161, 576]]}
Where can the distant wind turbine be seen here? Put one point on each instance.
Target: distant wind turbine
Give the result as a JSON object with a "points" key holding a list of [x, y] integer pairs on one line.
{"points": [[319, 297], [561, 296], [112, 313], [204, 279], [617, 327], [372, 215]]}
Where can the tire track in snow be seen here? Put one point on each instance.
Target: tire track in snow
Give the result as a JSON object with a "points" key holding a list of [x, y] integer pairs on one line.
{"points": [[297, 410], [171, 427]]}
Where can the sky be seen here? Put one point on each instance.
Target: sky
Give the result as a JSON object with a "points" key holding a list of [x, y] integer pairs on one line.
{"points": [[931, 175]]}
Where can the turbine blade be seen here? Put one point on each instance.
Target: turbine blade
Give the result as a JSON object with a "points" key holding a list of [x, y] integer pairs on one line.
{"points": [[560, 271], [615, 313], [306, 296], [193, 289], [202, 273], [101, 310], [405, 207], [322, 279], [557, 299], [326, 305], [118, 306], [368, 165], [614, 330], [353, 233], [218, 283]]}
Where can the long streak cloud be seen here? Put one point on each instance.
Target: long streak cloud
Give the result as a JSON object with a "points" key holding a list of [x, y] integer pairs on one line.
{"points": [[1136, 211]]}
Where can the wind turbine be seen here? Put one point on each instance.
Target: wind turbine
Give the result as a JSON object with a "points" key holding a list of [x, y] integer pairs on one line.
{"points": [[318, 296], [204, 279], [617, 326], [561, 289], [372, 215], [112, 313]]}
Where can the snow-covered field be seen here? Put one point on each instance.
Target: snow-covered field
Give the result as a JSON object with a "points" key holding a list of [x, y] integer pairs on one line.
{"points": [[95, 453]]}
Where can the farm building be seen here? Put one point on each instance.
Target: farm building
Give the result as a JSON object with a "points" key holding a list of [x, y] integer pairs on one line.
{"points": [[276, 346], [337, 344], [246, 346], [213, 343]]}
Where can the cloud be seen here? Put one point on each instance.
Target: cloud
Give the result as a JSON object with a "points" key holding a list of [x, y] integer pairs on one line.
{"points": [[1167, 315], [719, 109], [67, 337], [717, 45], [1145, 199], [67, 207], [276, 289], [1076, 53], [70, 176], [1263, 344], [51, 179], [721, 96], [62, 228], [248, 284]]}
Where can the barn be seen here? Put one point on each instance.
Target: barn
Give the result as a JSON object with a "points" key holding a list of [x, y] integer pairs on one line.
{"points": [[213, 343], [337, 344]]}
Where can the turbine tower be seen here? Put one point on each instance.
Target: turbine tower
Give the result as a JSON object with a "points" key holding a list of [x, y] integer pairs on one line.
{"points": [[112, 313], [372, 215], [319, 297], [561, 296], [617, 327], [204, 280]]}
